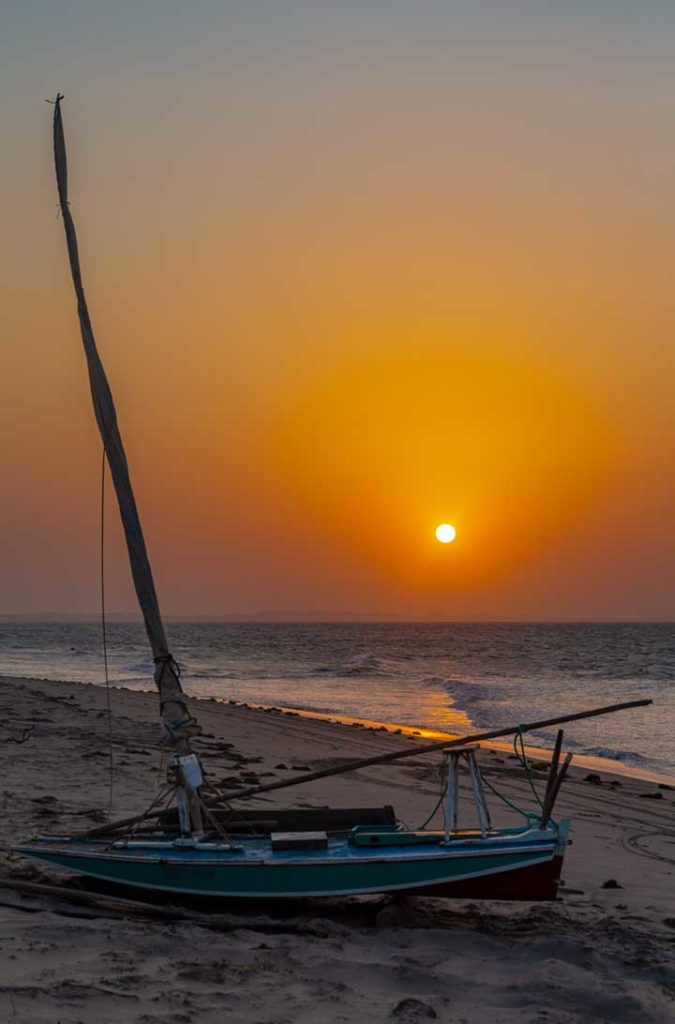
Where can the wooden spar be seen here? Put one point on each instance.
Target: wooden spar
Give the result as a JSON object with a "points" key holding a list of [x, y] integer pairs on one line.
{"points": [[555, 760], [396, 755], [552, 794], [552, 781]]}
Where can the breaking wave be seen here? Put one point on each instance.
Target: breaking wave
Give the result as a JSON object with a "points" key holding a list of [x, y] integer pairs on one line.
{"points": [[366, 664]]}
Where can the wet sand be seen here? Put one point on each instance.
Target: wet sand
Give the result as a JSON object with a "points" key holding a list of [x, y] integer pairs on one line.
{"points": [[600, 953]]}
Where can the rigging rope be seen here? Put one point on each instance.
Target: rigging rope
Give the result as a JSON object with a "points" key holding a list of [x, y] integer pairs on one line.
{"points": [[522, 758], [111, 761], [163, 796], [443, 790], [505, 800]]}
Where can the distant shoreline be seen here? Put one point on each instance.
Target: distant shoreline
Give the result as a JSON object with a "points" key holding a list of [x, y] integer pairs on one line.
{"points": [[321, 618]]}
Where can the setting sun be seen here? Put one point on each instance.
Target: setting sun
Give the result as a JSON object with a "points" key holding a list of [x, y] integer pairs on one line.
{"points": [[445, 533]]}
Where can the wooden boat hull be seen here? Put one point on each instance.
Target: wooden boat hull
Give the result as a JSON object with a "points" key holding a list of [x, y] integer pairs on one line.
{"points": [[529, 882], [518, 866]]}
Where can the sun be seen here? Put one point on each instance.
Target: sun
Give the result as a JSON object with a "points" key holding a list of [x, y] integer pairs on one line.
{"points": [[445, 533]]}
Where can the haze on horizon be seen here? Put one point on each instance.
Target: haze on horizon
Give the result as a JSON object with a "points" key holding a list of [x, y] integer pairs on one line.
{"points": [[354, 270]]}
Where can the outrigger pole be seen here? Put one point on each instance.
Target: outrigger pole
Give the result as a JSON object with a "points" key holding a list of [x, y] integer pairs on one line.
{"points": [[428, 748], [366, 762]]}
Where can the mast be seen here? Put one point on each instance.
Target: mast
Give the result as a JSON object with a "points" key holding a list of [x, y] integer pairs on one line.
{"points": [[176, 717]]}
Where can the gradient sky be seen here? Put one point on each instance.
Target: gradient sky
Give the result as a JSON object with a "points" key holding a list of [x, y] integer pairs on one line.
{"points": [[355, 269]]}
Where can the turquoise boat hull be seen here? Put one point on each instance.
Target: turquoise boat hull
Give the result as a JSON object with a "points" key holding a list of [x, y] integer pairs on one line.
{"points": [[509, 864]]}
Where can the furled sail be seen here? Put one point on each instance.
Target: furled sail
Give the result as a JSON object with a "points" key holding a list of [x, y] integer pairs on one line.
{"points": [[176, 717]]}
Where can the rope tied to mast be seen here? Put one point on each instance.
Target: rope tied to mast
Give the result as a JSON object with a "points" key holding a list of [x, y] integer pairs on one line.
{"points": [[183, 725]]}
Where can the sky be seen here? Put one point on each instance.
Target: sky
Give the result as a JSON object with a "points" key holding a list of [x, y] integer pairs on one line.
{"points": [[354, 270]]}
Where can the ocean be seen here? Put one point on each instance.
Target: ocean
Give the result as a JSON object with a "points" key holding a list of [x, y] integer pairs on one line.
{"points": [[442, 676]]}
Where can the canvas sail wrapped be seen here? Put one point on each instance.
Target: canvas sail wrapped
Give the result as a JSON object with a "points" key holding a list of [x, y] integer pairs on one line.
{"points": [[176, 717]]}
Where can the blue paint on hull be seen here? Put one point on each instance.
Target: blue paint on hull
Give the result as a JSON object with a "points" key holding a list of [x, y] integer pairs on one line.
{"points": [[254, 870]]}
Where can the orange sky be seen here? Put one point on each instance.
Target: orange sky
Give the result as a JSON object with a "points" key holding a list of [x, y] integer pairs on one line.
{"points": [[351, 276]]}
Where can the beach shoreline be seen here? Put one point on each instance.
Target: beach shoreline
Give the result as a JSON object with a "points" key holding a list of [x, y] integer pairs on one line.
{"points": [[603, 951], [589, 762], [455, 680]]}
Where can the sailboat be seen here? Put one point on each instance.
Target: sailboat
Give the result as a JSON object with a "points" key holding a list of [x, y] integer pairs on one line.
{"points": [[205, 844]]}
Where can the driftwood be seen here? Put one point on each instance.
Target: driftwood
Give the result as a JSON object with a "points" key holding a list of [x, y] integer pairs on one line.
{"points": [[116, 906], [397, 755]]}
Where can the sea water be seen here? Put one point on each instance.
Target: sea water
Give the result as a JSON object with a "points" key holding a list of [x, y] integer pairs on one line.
{"points": [[444, 676]]}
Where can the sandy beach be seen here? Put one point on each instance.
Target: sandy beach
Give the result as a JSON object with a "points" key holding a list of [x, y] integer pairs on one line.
{"points": [[600, 953]]}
